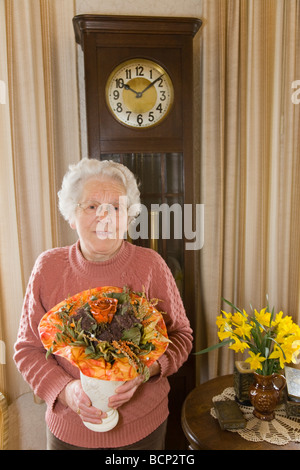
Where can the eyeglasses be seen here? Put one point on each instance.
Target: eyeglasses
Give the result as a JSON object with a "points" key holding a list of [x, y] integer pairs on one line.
{"points": [[95, 207]]}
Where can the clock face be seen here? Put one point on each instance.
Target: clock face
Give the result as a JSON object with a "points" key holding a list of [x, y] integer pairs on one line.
{"points": [[139, 93]]}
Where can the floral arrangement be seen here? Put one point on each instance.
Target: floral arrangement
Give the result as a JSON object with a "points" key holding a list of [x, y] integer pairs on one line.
{"points": [[108, 332], [270, 339]]}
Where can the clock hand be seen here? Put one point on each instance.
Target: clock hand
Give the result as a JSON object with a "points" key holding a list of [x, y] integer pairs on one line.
{"points": [[127, 87], [150, 85], [140, 93]]}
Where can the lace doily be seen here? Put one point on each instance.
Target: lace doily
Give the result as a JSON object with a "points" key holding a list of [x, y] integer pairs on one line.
{"points": [[279, 431]]}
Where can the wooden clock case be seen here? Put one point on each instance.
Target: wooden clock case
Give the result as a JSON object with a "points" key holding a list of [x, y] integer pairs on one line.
{"points": [[107, 41]]}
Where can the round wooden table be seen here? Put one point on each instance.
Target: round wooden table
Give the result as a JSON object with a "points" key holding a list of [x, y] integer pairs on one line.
{"points": [[203, 431]]}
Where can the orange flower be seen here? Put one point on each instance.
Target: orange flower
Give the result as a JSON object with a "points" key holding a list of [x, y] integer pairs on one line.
{"points": [[103, 309]]}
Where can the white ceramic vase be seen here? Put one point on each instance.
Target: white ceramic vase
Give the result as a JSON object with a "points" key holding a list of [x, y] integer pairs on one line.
{"points": [[99, 392]]}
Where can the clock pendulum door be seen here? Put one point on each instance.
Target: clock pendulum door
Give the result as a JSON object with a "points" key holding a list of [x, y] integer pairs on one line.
{"points": [[161, 181]]}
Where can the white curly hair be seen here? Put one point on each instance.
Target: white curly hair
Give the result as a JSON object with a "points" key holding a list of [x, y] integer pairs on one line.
{"points": [[88, 168]]}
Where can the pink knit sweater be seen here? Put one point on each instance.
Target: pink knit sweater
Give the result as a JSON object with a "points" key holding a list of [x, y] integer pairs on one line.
{"points": [[61, 272]]}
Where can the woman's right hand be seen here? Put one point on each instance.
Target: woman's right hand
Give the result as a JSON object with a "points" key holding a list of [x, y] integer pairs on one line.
{"points": [[75, 398]]}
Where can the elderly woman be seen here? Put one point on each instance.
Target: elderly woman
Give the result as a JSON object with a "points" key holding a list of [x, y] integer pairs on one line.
{"points": [[98, 199]]}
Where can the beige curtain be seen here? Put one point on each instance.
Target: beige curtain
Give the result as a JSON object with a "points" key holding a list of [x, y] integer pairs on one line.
{"points": [[246, 151], [249, 163], [39, 138]]}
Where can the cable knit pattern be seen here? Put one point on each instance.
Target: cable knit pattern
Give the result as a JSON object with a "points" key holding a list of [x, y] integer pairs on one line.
{"points": [[61, 272]]}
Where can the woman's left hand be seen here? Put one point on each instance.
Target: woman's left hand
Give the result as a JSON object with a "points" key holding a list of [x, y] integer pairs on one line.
{"points": [[126, 391]]}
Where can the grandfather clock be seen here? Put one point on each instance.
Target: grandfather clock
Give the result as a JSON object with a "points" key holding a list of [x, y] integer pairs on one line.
{"points": [[139, 108]]}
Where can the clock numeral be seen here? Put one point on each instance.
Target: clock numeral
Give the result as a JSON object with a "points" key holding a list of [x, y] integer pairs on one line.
{"points": [[119, 83], [160, 83], [162, 95], [159, 108], [151, 116], [128, 115], [139, 119], [139, 71], [119, 107], [128, 74], [116, 94]]}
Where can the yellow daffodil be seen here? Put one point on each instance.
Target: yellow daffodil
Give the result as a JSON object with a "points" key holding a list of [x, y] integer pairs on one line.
{"points": [[255, 360], [224, 325], [278, 319], [238, 345], [224, 334], [282, 354], [237, 319], [222, 321], [244, 330], [263, 317], [287, 331]]}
